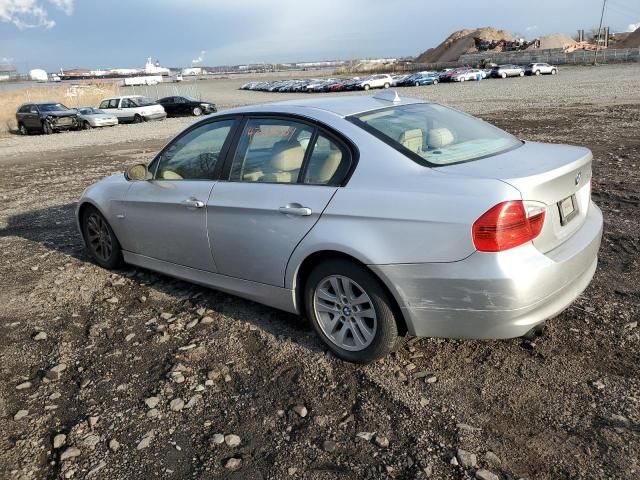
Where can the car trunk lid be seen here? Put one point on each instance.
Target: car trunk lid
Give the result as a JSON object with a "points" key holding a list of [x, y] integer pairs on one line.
{"points": [[558, 176]]}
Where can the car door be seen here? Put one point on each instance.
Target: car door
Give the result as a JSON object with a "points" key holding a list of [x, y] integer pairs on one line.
{"points": [[181, 105], [165, 217], [32, 118], [280, 178]]}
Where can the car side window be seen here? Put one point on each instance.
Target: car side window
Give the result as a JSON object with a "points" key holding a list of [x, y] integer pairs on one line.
{"points": [[104, 104], [270, 151], [127, 103], [34, 109], [25, 109], [194, 156], [328, 163], [113, 103]]}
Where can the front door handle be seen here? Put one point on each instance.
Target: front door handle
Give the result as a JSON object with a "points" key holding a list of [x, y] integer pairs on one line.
{"points": [[295, 209], [193, 203]]}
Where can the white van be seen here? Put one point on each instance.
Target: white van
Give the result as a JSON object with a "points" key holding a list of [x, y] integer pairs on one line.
{"points": [[133, 108]]}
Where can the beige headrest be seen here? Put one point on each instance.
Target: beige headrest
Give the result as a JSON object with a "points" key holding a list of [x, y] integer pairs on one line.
{"points": [[412, 139], [288, 159], [169, 175], [439, 137]]}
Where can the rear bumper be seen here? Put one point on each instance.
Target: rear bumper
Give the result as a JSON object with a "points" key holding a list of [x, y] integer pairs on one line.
{"points": [[489, 295], [156, 116]]}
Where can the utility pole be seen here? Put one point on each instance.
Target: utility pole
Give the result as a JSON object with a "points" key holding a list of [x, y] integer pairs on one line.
{"points": [[595, 56]]}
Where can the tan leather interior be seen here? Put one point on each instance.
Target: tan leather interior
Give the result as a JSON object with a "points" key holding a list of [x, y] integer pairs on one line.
{"points": [[169, 175], [285, 164], [439, 137], [412, 139], [321, 172]]}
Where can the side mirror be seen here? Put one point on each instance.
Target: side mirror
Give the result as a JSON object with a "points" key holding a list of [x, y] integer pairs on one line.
{"points": [[137, 172]]}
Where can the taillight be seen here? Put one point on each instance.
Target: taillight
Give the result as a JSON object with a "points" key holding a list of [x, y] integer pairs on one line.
{"points": [[505, 226]]}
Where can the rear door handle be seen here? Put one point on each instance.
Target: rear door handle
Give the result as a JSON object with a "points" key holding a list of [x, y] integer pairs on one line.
{"points": [[295, 209], [193, 203]]}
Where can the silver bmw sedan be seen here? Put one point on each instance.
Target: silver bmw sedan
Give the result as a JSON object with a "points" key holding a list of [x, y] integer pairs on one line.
{"points": [[375, 216]]}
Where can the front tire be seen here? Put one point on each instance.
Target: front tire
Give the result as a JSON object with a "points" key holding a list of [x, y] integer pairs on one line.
{"points": [[102, 244], [503, 75], [137, 119], [367, 87], [86, 125], [435, 82], [554, 71], [537, 73], [197, 111], [350, 311], [417, 84], [386, 85], [46, 128], [521, 74]]}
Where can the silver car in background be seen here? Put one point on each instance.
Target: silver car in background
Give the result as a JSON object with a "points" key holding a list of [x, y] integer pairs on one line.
{"points": [[93, 117], [374, 216]]}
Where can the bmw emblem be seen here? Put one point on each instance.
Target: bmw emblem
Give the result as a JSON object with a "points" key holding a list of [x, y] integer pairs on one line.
{"points": [[578, 176]]}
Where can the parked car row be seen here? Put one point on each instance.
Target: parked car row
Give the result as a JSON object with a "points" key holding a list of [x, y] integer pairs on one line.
{"points": [[50, 117], [315, 85]]}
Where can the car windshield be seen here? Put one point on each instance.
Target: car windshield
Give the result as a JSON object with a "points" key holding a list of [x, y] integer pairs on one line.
{"points": [[89, 111], [142, 101], [436, 135], [53, 107]]}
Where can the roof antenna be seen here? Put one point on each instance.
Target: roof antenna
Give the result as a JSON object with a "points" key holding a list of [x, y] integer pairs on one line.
{"points": [[388, 96]]}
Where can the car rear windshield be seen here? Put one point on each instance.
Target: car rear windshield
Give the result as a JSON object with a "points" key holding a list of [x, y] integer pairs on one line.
{"points": [[435, 135], [142, 101]]}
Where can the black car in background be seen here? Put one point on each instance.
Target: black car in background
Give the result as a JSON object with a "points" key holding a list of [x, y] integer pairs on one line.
{"points": [[175, 106], [46, 118]]}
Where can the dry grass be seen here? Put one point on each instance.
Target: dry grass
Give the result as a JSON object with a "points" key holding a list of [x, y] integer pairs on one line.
{"points": [[71, 96]]}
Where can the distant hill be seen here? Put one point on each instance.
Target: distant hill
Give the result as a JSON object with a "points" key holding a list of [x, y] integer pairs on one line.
{"points": [[631, 41], [461, 42]]}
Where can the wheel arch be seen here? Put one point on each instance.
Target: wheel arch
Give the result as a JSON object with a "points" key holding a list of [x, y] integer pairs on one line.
{"points": [[81, 209], [304, 269]]}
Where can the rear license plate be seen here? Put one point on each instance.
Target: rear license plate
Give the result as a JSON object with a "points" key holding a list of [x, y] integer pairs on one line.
{"points": [[568, 209]]}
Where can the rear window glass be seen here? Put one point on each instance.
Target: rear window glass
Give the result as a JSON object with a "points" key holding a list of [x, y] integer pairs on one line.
{"points": [[436, 135]]}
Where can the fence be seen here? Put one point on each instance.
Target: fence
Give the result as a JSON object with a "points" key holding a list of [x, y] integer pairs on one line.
{"points": [[554, 56]]}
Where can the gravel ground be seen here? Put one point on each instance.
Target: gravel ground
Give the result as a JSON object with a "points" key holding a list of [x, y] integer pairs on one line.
{"points": [[131, 374], [603, 85]]}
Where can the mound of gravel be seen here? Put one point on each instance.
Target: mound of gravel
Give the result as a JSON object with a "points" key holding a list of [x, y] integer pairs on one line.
{"points": [[631, 41], [555, 40], [461, 42]]}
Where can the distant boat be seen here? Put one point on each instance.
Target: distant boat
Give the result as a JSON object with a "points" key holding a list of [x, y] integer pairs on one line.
{"points": [[150, 68]]}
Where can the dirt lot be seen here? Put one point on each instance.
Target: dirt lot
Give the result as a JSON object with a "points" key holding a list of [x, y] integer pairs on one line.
{"points": [[208, 364]]}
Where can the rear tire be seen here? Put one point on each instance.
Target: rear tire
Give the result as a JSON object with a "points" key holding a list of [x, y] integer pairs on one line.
{"points": [[435, 82], [462, 79], [521, 74], [86, 125], [417, 84], [22, 129], [350, 311], [367, 87], [503, 75], [101, 241], [537, 73], [386, 85]]}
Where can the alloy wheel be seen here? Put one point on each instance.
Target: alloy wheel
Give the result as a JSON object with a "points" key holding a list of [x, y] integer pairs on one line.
{"points": [[345, 313], [99, 237]]}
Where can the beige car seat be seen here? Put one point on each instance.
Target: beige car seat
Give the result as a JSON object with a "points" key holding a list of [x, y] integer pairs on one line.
{"points": [[412, 139], [439, 137], [321, 172], [285, 164]]}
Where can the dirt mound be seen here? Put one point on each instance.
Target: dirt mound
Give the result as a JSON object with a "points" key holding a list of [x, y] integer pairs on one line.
{"points": [[459, 43], [555, 40], [631, 41]]}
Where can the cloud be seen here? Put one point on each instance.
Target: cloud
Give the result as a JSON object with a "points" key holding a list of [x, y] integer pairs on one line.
{"points": [[31, 13], [200, 58], [633, 27], [531, 28], [65, 5]]}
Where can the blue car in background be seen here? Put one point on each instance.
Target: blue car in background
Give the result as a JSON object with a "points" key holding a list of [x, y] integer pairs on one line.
{"points": [[418, 79]]}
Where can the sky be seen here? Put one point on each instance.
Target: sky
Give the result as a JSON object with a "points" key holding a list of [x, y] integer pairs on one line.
{"points": [[54, 34]]}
